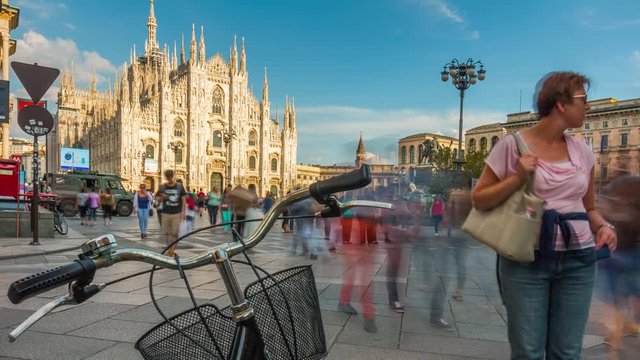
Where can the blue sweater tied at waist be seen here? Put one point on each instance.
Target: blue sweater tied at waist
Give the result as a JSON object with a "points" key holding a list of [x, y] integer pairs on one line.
{"points": [[551, 218]]}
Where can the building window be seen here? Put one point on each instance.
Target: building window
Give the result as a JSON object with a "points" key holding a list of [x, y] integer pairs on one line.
{"points": [[494, 141], [604, 142], [178, 128], [149, 151], [483, 144], [603, 172], [274, 164], [586, 126], [472, 144], [403, 154], [624, 139], [252, 162], [218, 101], [179, 156], [625, 122], [217, 138], [412, 154], [605, 124], [455, 154], [253, 138]]}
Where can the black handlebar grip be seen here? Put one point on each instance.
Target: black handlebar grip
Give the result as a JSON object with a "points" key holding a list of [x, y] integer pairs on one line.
{"points": [[38, 283], [352, 180]]}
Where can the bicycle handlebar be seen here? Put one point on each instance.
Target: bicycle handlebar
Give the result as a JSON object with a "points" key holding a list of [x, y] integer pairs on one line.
{"points": [[98, 253], [38, 283]]}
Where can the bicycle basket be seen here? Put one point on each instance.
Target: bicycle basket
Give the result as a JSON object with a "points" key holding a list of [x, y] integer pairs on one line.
{"points": [[292, 330]]}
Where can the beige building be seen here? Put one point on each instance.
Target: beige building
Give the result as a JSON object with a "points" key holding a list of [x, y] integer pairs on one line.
{"points": [[9, 16], [180, 111], [611, 128], [20, 146], [410, 147]]}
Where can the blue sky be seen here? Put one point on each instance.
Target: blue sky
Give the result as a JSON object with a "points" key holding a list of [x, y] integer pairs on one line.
{"points": [[355, 65]]}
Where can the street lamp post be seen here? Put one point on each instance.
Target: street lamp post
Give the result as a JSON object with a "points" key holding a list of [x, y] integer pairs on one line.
{"points": [[463, 75], [175, 146], [227, 137]]}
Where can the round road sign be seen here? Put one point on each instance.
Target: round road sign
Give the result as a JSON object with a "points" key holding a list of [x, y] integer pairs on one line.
{"points": [[35, 120]]}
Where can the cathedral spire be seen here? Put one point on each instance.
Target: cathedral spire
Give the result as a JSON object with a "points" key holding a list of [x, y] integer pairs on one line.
{"points": [[243, 59], [361, 152], [72, 81], [265, 87], [151, 27], [192, 49], [203, 57], [174, 61], [182, 59]]}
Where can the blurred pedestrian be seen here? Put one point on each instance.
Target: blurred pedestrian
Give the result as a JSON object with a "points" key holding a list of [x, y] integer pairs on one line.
{"points": [[303, 229], [548, 301], [346, 220], [82, 205], [172, 194], [226, 214], [368, 220], [142, 201], [201, 201], [213, 204], [93, 203], [437, 211], [107, 202], [619, 275]]}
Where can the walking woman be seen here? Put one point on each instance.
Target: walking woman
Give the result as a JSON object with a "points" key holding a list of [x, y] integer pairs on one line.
{"points": [[142, 201], [226, 208], [548, 301], [437, 210], [93, 202], [107, 203], [213, 203]]}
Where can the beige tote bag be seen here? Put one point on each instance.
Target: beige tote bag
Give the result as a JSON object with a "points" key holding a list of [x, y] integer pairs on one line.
{"points": [[511, 229]]}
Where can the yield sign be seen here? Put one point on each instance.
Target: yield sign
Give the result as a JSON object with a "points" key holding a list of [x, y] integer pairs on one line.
{"points": [[36, 79]]}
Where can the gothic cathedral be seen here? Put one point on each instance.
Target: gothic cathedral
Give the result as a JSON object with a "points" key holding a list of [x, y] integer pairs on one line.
{"points": [[194, 115]]}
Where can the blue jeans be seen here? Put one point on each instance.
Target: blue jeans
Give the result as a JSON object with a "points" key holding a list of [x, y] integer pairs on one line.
{"points": [[548, 304], [143, 220]]}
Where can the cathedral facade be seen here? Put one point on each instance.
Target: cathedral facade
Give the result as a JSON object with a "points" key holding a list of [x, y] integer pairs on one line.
{"points": [[193, 114]]}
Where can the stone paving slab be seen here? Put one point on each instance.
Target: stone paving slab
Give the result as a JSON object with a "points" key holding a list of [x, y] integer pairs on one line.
{"points": [[56, 347], [454, 346], [115, 330], [79, 316], [121, 351], [386, 337]]}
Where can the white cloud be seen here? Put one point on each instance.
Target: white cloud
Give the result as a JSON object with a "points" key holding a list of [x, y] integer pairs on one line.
{"points": [[58, 53], [69, 26], [445, 10], [43, 8], [34, 47]]}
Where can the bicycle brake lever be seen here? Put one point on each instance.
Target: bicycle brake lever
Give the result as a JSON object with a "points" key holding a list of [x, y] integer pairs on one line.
{"points": [[61, 300], [77, 295], [366, 203]]}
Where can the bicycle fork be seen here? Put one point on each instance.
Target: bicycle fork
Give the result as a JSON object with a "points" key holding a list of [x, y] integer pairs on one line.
{"points": [[247, 341]]}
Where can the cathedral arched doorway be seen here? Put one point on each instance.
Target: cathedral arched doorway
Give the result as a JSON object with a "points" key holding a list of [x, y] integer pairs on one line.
{"points": [[215, 180], [150, 182]]}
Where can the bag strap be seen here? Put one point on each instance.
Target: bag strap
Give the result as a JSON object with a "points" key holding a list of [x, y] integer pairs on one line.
{"points": [[522, 150]]}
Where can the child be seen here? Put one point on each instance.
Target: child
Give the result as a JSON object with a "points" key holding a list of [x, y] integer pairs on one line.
{"points": [[191, 211]]}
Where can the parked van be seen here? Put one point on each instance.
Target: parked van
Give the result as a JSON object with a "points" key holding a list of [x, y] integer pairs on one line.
{"points": [[68, 185]]}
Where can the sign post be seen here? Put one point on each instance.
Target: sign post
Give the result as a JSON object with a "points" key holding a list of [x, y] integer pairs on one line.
{"points": [[35, 121]]}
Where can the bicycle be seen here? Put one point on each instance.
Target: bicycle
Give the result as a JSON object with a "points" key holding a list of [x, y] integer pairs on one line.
{"points": [[276, 317], [60, 224]]}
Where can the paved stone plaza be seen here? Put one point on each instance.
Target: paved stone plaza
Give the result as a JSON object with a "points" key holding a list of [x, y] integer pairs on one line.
{"points": [[107, 326]]}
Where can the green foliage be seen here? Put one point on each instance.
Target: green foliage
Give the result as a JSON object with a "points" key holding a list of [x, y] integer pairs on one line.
{"points": [[444, 168], [474, 163]]}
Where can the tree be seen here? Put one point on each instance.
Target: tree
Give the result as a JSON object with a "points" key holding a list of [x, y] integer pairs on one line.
{"points": [[474, 163]]}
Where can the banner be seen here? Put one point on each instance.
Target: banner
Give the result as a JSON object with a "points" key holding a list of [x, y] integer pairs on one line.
{"points": [[150, 167], [22, 103], [74, 159]]}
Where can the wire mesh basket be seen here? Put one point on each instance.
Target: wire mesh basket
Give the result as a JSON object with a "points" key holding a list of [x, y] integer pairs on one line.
{"points": [[287, 311]]}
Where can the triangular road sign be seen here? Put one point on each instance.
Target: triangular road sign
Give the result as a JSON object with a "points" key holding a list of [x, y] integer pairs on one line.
{"points": [[36, 79]]}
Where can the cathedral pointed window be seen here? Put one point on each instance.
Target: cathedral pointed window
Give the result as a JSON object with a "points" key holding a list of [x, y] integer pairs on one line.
{"points": [[252, 162], [178, 128], [253, 138], [179, 157], [218, 102], [274, 164], [149, 152], [217, 139]]}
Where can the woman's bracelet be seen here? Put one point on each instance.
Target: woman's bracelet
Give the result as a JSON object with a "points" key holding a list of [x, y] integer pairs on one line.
{"points": [[607, 225]]}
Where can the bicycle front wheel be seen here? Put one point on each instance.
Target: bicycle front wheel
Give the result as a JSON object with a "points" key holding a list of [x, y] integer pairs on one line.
{"points": [[60, 223]]}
